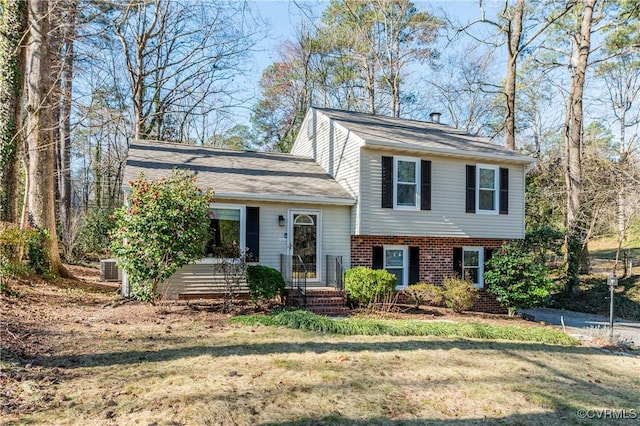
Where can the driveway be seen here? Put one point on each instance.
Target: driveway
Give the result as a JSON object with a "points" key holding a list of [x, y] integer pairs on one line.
{"points": [[586, 326]]}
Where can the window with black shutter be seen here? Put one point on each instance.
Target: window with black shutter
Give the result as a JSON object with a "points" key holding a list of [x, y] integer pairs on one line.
{"points": [[406, 183], [487, 189]]}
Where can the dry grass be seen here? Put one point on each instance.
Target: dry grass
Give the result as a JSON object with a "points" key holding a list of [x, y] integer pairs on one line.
{"points": [[128, 365]]}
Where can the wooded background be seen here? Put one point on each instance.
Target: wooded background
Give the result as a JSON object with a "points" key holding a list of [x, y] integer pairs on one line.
{"points": [[79, 79]]}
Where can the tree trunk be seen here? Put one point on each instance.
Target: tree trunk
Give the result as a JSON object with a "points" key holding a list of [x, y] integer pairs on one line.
{"points": [[12, 62], [576, 233], [64, 140], [514, 36], [39, 131]]}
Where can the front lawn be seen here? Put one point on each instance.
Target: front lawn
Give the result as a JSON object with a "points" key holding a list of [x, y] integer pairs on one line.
{"points": [[74, 356]]}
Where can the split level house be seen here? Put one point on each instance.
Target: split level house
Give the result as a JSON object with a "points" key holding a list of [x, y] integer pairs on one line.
{"points": [[419, 199]]}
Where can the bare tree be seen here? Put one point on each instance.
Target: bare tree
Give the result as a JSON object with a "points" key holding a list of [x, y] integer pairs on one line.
{"points": [[621, 76], [180, 58], [63, 34], [519, 25], [462, 89]]}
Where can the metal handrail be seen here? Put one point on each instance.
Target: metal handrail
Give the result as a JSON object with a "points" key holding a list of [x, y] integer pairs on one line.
{"points": [[339, 273], [289, 264], [301, 283], [334, 272]]}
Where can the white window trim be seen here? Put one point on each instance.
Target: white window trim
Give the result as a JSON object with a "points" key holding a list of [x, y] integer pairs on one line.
{"points": [[418, 163], [319, 255], [480, 250], [405, 264], [243, 229], [496, 192]]}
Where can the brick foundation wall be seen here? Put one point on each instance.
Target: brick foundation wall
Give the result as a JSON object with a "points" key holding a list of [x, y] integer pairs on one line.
{"points": [[436, 259]]}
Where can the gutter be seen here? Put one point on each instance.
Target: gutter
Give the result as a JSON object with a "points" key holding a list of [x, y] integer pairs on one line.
{"points": [[287, 198], [519, 159]]}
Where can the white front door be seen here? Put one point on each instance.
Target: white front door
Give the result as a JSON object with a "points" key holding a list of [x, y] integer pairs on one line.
{"points": [[305, 234]]}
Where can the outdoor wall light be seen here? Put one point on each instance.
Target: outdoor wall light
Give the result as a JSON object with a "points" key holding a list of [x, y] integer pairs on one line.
{"points": [[281, 220]]}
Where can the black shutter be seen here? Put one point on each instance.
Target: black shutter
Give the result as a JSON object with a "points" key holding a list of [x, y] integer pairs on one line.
{"points": [[252, 236], [471, 189], [457, 260], [504, 190], [377, 258], [425, 185], [387, 182], [414, 265]]}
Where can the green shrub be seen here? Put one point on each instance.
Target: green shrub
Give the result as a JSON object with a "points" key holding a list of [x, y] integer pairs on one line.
{"points": [[459, 295], [164, 228], [425, 294], [264, 282], [516, 278], [366, 286]]}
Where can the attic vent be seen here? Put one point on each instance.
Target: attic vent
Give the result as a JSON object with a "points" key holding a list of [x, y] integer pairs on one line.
{"points": [[109, 271], [435, 117]]}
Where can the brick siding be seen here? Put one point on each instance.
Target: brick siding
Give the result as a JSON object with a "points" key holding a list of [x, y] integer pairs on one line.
{"points": [[436, 259]]}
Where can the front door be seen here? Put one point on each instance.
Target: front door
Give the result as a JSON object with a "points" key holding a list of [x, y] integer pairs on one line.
{"points": [[304, 241]]}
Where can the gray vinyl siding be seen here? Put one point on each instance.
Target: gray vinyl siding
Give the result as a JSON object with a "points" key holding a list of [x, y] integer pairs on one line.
{"points": [[447, 217], [336, 150], [303, 145], [201, 278]]}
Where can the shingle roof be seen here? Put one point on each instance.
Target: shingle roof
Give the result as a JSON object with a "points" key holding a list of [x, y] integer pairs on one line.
{"points": [[237, 174], [400, 133]]}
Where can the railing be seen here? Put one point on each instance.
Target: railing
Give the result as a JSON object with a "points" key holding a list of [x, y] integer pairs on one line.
{"points": [[334, 272], [339, 273], [294, 271]]}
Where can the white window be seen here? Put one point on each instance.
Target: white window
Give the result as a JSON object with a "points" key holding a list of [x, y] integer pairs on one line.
{"points": [[226, 231], [472, 265], [487, 189], [406, 182], [396, 261]]}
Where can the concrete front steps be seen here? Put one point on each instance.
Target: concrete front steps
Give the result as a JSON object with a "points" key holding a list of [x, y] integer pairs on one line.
{"points": [[321, 301]]}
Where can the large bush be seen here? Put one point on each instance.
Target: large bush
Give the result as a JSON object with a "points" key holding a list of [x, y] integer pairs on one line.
{"points": [[367, 286], [517, 278], [164, 227], [264, 283], [459, 295]]}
